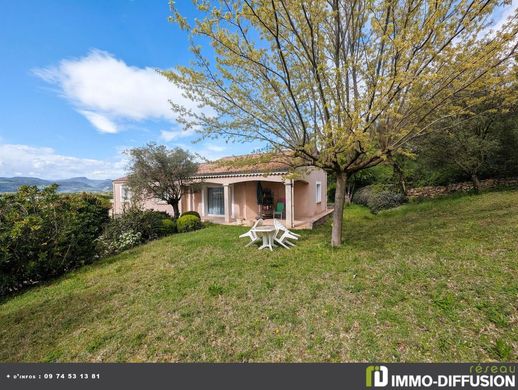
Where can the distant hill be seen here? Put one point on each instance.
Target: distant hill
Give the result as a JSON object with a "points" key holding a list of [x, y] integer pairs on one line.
{"points": [[74, 184]]}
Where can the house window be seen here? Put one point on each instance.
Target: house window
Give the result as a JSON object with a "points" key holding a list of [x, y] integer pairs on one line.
{"points": [[125, 193], [215, 204], [319, 192]]}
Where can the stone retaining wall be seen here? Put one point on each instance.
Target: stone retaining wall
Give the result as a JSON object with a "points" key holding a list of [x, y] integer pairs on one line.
{"points": [[434, 191]]}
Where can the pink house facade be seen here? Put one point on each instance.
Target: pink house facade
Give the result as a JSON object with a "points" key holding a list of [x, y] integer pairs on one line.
{"points": [[230, 195]]}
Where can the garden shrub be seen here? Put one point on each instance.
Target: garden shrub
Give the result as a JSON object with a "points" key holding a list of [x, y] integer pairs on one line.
{"points": [[44, 234], [188, 223], [378, 197], [110, 244], [147, 222], [195, 213], [133, 228], [168, 226]]}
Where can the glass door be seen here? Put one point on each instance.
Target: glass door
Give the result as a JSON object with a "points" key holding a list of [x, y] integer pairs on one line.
{"points": [[215, 201]]}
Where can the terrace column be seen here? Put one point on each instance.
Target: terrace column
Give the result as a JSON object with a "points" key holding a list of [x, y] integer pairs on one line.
{"points": [[288, 186], [203, 201], [227, 201]]}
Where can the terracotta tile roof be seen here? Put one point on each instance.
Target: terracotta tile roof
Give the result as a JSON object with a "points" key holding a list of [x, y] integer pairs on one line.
{"points": [[239, 165], [248, 164]]}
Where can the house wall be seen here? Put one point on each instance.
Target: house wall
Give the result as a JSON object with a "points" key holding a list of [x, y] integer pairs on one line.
{"points": [[118, 205], [240, 196], [158, 205], [245, 198], [250, 206], [305, 192], [184, 202], [197, 202]]}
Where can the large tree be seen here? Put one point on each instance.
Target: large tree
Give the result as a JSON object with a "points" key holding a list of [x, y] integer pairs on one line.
{"points": [[341, 84], [469, 140], [467, 145], [161, 173]]}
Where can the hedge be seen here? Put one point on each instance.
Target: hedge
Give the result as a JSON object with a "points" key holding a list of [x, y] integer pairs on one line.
{"points": [[44, 234]]}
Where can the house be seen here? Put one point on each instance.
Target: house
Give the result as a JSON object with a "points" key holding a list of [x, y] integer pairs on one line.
{"points": [[240, 194]]}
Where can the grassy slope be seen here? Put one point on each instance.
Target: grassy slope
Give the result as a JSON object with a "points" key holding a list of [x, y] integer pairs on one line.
{"points": [[426, 282]]}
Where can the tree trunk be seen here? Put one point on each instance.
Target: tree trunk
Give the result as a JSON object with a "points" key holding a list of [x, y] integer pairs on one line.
{"points": [[176, 209], [400, 177], [476, 182], [338, 214], [349, 193]]}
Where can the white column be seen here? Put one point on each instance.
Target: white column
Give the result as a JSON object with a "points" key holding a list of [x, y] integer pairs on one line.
{"points": [[227, 202], [288, 186], [203, 200], [232, 201]]}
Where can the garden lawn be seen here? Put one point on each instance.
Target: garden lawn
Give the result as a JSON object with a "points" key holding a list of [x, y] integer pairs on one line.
{"points": [[435, 281]]}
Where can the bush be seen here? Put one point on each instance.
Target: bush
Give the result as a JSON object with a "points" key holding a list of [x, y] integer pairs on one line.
{"points": [[118, 235], [147, 222], [44, 234], [133, 228], [110, 245], [168, 226], [195, 213], [188, 223], [378, 197]]}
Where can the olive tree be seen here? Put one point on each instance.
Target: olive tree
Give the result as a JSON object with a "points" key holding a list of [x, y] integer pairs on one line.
{"points": [[158, 172]]}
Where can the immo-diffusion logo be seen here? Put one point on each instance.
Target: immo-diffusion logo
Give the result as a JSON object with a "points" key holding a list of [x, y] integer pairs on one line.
{"points": [[377, 376], [493, 376]]}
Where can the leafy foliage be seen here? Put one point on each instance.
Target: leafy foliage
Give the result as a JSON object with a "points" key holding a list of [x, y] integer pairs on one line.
{"points": [[192, 212], [160, 173], [188, 223], [43, 234], [168, 226], [469, 140], [443, 158], [378, 197], [109, 244], [380, 174]]}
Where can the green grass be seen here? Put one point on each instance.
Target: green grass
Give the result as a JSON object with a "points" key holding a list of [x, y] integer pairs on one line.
{"points": [[434, 281]]}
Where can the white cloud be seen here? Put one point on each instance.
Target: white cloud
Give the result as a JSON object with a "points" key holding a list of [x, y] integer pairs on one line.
{"points": [[110, 93], [171, 135], [101, 122], [45, 163]]}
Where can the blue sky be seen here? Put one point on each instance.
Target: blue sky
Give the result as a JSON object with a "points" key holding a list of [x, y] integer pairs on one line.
{"points": [[79, 86]]}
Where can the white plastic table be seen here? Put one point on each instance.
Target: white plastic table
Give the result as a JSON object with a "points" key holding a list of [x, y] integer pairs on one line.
{"points": [[267, 233]]}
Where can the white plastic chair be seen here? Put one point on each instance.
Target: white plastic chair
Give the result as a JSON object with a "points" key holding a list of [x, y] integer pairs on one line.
{"points": [[251, 233], [285, 235]]}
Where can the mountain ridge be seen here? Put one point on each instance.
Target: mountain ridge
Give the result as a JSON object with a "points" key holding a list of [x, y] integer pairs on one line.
{"points": [[73, 184]]}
